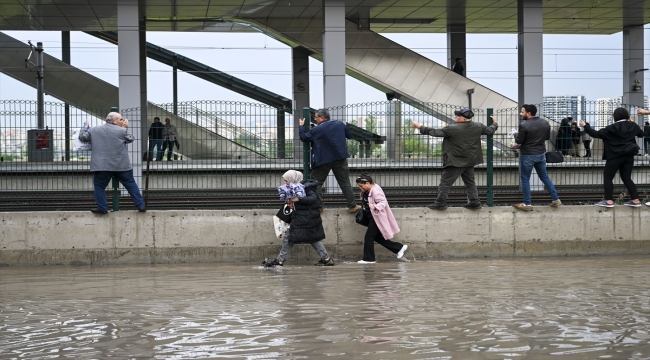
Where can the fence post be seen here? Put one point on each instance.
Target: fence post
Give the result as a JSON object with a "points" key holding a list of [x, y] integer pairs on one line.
{"points": [[116, 183], [490, 162], [306, 146]]}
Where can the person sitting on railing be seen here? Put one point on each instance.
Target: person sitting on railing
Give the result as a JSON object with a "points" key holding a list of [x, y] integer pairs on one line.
{"points": [[111, 158], [461, 151], [329, 152]]}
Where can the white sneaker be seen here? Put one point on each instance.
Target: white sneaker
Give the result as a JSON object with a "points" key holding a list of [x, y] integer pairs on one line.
{"points": [[366, 262], [401, 252], [647, 204]]}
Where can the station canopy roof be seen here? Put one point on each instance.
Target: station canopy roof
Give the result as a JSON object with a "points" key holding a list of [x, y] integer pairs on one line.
{"points": [[388, 16]]}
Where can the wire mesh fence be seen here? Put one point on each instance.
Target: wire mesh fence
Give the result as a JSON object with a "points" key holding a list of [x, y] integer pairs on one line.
{"points": [[222, 154]]}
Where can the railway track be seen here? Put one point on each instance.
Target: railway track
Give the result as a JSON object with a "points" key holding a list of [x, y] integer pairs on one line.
{"points": [[267, 199]]}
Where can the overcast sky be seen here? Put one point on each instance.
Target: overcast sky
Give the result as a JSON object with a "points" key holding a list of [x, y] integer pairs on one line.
{"points": [[589, 65]]}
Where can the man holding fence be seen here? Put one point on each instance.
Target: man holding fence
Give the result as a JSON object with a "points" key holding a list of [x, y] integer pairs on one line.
{"points": [[461, 151], [110, 158]]}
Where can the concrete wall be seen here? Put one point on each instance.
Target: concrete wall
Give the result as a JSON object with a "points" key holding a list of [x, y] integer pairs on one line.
{"points": [[129, 237]]}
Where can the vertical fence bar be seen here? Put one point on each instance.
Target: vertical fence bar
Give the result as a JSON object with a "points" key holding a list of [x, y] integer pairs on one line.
{"points": [[490, 162], [280, 134], [116, 192], [306, 147]]}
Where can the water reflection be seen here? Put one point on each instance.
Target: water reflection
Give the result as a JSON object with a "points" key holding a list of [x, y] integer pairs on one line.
{"points": [[484, 309]]}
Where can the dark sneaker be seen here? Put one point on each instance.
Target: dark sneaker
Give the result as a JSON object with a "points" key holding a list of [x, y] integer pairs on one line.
{"points": [[99, 211], [437, 206], [632, 203], [271, 263], [473, 205], [322, 262], [143, 209], [604, 203]]}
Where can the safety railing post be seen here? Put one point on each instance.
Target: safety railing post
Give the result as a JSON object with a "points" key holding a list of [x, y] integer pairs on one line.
{"points": [[306, 147], [116, 183], [490, 162]]}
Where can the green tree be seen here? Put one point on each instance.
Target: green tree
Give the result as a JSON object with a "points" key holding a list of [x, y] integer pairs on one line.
{"points": [[370, 124], [353, 145], [416, 145]]}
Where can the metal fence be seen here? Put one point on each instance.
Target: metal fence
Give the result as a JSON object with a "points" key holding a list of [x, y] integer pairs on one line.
{"points": [[233, 154]]}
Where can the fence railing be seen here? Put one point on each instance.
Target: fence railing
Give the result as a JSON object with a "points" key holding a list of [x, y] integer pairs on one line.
{"points": [[238, 151]]}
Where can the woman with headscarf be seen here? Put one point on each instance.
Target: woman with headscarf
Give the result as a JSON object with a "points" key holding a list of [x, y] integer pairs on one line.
{"points": [[620, 147], [306, 224]]}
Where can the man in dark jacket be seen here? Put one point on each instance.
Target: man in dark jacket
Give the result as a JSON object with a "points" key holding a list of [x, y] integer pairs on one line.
{"points": [[458, 67], [646, 137], [533, 133], [329, 152], [461, 151], [156, 138]]}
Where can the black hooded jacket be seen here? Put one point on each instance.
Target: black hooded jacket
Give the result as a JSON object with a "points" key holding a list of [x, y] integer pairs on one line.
{"points": [[306, 223]]}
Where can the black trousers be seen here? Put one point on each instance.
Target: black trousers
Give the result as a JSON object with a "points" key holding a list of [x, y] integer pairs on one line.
{"points": [[622, 164], [373, 235], [342, 175]]}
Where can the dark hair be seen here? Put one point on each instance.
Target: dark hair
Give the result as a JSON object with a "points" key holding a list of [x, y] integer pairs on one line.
{"points": [[457, 59], [620, 114], [156, 118], [647, 122], [532, 109], [364, 178]]}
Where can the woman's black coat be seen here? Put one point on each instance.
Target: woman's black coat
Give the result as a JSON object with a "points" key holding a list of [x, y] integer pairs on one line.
{"points": [[306, 223]]}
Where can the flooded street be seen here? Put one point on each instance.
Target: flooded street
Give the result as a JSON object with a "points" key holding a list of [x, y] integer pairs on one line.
{"points": [[575, 308]]}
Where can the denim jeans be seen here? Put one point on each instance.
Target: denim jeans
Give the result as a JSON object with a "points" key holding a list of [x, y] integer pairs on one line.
{"points": [[158, 145], [101, 180], [287, 245], [526, 165]]}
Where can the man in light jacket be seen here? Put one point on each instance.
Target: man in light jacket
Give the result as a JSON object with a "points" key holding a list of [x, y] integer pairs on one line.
{"points": [[110, 157], [461, 151]]}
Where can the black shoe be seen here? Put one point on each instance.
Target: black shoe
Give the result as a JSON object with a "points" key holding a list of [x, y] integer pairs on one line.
{"points": [[271, 263], [98, 211], [473, 205], [322, 262], [437, 206], [143, 209]]}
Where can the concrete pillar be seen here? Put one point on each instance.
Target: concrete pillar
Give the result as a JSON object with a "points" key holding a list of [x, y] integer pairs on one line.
{"points": [[394, 130], [456, 45], [530, 51], [633, 66], [300, 77], [131, 78], [334, 53]]}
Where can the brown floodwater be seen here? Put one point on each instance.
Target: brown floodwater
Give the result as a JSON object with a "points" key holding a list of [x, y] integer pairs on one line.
{"points": [[573, 308]]}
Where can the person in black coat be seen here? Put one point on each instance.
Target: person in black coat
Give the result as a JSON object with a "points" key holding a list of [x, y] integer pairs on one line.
{"points": [[563, 139], [620, 147], [306, 227], [575, 140]]}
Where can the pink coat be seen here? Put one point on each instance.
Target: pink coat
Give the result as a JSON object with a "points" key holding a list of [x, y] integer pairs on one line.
{"points": [[382, 214]]}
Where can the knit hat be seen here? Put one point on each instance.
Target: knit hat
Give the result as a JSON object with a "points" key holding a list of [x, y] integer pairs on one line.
{"points": [[292, 176], [621, 114]]}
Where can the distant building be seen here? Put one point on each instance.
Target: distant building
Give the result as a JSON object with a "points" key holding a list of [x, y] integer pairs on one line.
{"points": [[559, 107], [606, 106]]}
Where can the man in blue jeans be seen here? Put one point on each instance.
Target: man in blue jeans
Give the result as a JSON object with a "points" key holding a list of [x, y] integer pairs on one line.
{"points": [[533, 133], [110, 157]]}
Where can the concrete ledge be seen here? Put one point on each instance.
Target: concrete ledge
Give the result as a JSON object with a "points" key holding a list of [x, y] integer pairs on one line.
{"points": [[129, 237]]}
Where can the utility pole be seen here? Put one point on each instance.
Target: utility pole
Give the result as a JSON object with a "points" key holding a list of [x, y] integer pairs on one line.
{"points": [[40, 84]]}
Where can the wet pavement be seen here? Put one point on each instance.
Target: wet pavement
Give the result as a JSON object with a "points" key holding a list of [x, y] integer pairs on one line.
{"points": [[570, 308]]}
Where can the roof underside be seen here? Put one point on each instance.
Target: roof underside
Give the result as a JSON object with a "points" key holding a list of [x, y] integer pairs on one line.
{"points": [[387, 16]]}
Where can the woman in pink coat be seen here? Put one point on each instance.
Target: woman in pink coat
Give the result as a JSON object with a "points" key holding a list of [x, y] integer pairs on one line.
{"points": [[382, 226]]}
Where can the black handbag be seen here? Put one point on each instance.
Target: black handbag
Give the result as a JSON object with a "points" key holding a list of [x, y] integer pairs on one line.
{"points": [[362, 219], [554, 157], [285, 213]]}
